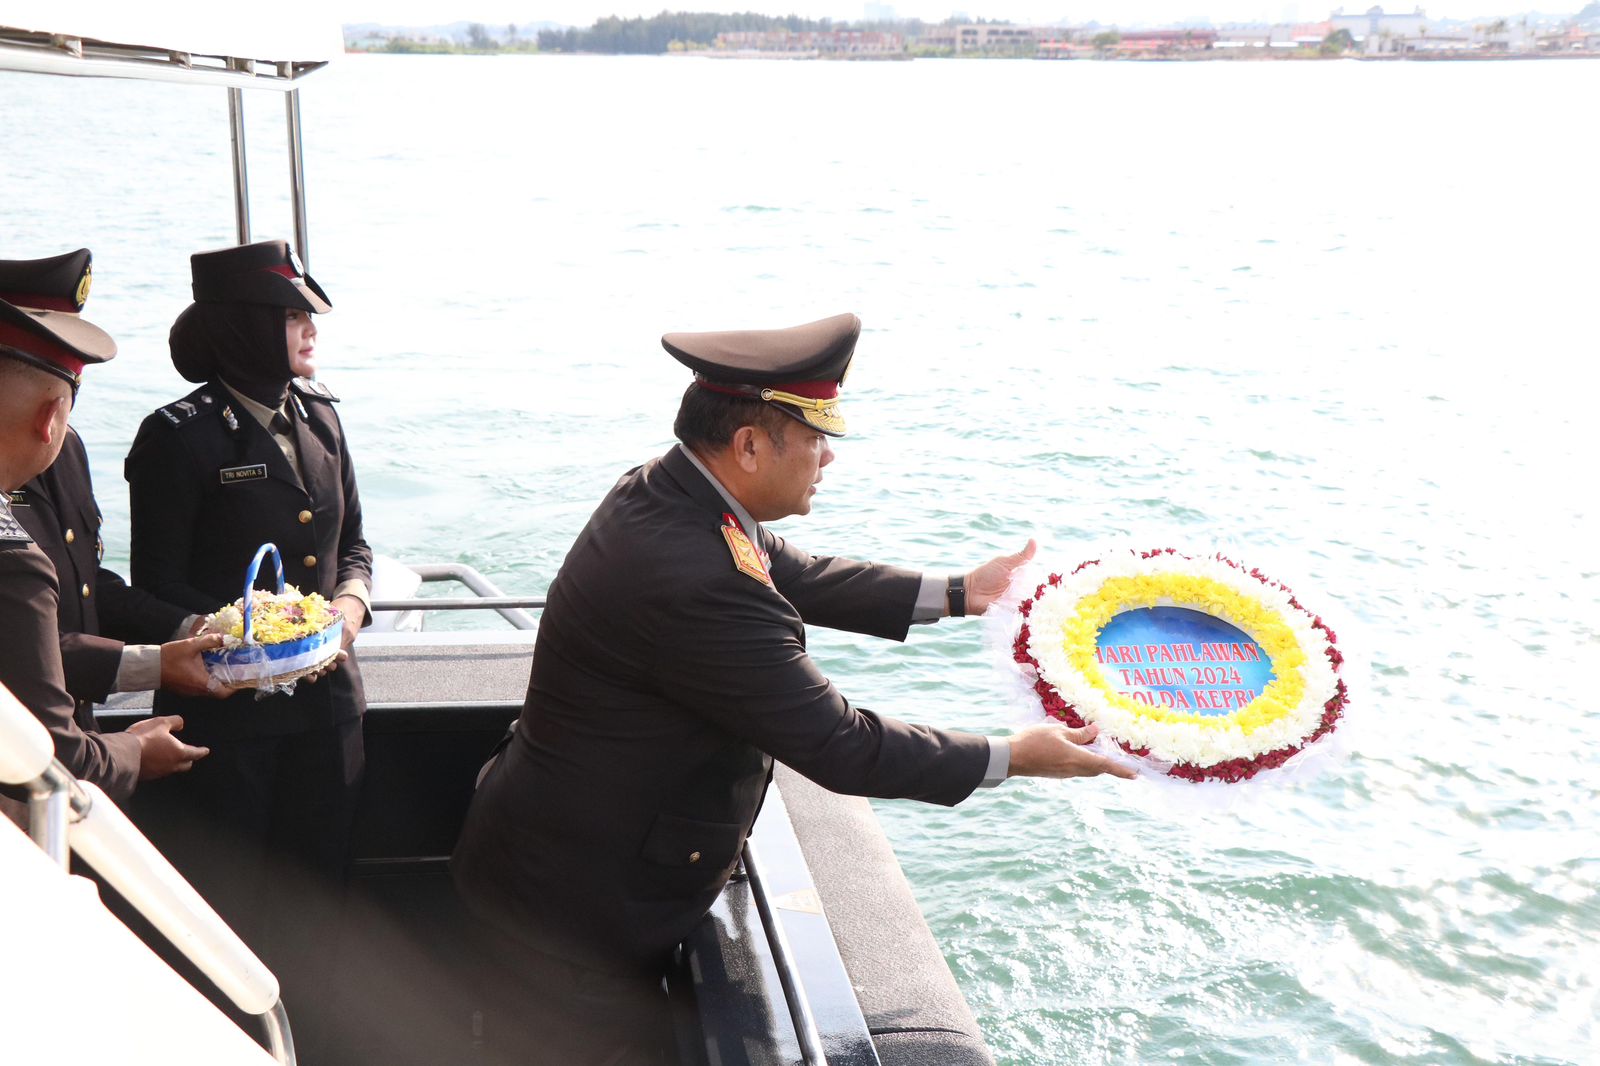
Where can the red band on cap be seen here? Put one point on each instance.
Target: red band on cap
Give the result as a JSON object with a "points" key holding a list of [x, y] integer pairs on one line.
{"points": [[34, 302], [35, 345], [286, 271], [811, 390]]}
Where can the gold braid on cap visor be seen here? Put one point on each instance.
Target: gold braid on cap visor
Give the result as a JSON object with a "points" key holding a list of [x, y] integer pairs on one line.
{"points": [[822, 414], [775, 396]]}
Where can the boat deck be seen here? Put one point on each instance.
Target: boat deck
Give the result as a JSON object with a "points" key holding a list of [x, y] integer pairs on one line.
{"points": [[401, 669]]}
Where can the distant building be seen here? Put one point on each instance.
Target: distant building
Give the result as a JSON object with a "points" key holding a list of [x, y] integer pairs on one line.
{"points": [[1310, 34], [799, 43], [1573, 38], [1378, 33], [1241, 38], [1163, 42], [984, 37]]}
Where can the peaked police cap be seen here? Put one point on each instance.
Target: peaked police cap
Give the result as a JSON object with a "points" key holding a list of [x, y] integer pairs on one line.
{"points": [[798, 370], [266, 272], [40, 301]]}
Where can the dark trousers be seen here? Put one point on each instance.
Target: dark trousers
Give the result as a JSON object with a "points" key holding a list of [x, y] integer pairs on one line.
{"points": [[541, 1010], [261, 827]]}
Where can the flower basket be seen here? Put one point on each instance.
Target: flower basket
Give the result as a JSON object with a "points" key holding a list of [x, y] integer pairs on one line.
{"points": [[271, 640]]}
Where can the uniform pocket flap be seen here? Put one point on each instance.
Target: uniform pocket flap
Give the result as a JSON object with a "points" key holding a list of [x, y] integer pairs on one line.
{"points": [[688, 842]]}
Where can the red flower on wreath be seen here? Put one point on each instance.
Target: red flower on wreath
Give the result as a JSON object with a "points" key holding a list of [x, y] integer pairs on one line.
{"points": [[1231, 770]]}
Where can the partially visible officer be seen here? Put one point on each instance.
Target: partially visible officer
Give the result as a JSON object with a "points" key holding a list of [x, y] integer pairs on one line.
{"points": [[44, 346], [257, 454], [114, 638], [670, 671]]}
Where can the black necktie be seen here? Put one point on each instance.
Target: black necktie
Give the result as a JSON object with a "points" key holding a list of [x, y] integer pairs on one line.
{"points": [[279, 424]]}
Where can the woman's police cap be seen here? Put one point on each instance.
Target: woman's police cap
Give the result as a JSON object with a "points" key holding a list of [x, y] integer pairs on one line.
{"points": [[798, 370], [266, 272], [40, 301]]}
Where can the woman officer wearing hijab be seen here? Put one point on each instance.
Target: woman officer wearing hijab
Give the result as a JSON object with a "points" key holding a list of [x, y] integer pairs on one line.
{"points": [[257, 454]]}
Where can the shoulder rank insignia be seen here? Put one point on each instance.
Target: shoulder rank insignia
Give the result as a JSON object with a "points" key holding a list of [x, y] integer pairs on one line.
{"points": [[315, 389], [181, 411], [745, 556], [11, 531]]}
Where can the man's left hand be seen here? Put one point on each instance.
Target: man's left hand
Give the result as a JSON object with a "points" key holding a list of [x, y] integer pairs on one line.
{"points": [[989, 582]]}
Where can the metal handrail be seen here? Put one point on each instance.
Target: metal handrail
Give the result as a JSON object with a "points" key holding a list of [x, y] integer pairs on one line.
{"points": [[487, 597], [99, 832], [794, 993], [53, 798], [485, 603]]}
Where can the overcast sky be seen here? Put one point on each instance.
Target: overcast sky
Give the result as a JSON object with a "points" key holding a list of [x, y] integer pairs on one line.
{"points": [[585, 12]]}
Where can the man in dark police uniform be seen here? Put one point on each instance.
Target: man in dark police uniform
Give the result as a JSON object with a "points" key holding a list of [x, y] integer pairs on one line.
{"points": [[670, 671], [44, 345], [114, 638]]}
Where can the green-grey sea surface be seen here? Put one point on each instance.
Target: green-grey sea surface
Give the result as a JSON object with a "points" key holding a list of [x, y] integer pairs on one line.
{"points": [[1334, 319]]}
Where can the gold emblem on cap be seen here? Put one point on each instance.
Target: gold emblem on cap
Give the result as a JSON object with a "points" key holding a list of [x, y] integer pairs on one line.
{"points": [[83, 287]]}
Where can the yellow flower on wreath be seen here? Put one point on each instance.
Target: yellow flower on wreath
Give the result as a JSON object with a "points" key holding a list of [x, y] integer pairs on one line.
{"points": [[1263, 624]]}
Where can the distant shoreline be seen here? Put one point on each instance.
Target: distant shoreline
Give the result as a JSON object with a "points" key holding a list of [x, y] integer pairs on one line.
{"points": [[1187, 57]]}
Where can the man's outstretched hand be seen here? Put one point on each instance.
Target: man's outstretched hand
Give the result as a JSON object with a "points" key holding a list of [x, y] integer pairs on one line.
{"points": [[160, 753], [1058, 751], [989, 582]]}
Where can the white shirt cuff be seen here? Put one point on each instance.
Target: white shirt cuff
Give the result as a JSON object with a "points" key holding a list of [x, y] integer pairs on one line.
{"points": [[931, 604], [140, 669], [359, 590], [999, 762]]}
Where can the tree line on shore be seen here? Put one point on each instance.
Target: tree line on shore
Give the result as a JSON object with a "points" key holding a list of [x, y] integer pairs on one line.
{"points": [[653, 35]]}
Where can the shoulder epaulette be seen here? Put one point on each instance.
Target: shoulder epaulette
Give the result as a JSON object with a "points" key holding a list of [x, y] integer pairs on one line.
{"points": [[11, 531], [181, 412], [314, 389]]}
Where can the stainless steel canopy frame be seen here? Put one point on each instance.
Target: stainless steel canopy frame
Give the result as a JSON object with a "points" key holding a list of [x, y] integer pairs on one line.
{"points": [[95, 47]]}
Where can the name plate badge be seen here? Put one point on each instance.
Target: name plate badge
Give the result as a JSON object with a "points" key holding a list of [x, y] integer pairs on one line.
{"points": [[1183, 660], [232, 475]]}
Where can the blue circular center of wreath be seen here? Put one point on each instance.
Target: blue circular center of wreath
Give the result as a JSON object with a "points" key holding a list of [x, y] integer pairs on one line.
{"points": [[1182, 660]]}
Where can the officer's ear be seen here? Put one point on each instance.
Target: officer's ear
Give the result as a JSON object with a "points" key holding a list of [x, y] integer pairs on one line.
{"points": [[49, 422], [743, 448]]}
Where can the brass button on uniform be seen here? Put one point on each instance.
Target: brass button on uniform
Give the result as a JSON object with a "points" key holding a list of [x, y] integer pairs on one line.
{"points": [[310, 560], [71, 536], [305, 516], [86, 591], [694, 856]]}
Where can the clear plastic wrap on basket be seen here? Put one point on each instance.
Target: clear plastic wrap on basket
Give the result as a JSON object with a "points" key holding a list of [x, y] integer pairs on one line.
{"points": [[272, 640]]}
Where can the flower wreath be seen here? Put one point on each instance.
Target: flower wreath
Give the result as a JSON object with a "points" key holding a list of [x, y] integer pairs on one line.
{"points": [[1057, 644]]}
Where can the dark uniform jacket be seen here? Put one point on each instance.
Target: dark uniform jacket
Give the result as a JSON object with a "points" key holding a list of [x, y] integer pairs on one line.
{"points": [[30, 666], [664, 683], [98, 612], [207, 487]]}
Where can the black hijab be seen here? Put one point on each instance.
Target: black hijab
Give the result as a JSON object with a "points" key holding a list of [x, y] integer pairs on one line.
{"points": [[242, 344]]}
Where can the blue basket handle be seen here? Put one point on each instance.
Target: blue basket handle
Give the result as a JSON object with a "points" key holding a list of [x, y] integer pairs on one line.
{"points": [[250, 582]]}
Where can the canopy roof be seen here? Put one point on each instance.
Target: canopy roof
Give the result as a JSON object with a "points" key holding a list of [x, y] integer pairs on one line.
{"points": [[204, 44]]}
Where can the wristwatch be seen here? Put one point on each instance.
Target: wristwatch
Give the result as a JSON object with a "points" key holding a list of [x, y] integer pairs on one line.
{"points": [[955, 595]]}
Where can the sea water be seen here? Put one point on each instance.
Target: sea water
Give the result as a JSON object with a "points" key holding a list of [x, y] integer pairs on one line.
{"points": [[1335, 319]]}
